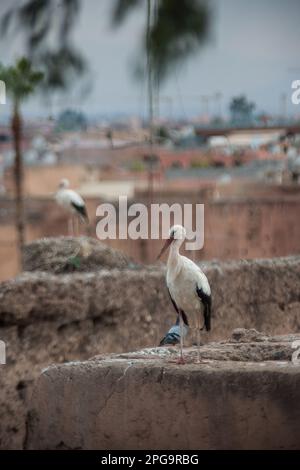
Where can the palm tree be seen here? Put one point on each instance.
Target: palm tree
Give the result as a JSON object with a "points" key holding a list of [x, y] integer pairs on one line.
{"points": [[241, 110], [174, 31], [21, 81]]}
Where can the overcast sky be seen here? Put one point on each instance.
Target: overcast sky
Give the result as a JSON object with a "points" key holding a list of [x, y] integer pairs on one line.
{"points": [[255, 49]]}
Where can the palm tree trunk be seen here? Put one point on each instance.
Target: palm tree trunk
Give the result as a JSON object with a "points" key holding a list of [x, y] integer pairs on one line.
{"points": [[18, 177], [149, 75]]}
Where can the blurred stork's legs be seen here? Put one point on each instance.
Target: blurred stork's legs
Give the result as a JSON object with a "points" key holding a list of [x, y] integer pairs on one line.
{"points": [[181, 359], [199, 328], [77, 225], [198, 333], [71, 226]]}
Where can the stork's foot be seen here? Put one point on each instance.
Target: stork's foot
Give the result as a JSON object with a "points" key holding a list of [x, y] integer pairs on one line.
{"points": [[201, 361], [179, 360]]}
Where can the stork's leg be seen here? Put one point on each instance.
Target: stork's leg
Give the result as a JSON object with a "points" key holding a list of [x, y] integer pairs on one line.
{"points": [[181, 359], [70, 227], [76, 223], [198, 333]]}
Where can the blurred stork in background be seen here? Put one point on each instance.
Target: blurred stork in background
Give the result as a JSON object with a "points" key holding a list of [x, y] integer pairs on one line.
{"points": [[73, 203], [189, 291]]}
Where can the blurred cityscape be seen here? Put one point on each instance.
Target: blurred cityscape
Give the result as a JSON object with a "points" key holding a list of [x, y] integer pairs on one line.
{"points": [[241, 162], [247, 177]]}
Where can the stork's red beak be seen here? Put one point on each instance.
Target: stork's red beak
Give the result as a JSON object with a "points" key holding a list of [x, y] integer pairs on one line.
{"points": [[166, 246]]}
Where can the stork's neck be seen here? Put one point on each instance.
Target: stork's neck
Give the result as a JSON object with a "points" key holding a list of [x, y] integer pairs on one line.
{"points": [[174, 258]]}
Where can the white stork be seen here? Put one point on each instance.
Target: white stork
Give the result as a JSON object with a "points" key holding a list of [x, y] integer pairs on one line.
{"points": [[72, 202], [188, 288]]}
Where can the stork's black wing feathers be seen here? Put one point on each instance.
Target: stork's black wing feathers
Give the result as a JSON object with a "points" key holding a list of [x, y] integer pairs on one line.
{"points": [[206, 301], [173, 302], [179, 311], [184, 318], [81, 210]]}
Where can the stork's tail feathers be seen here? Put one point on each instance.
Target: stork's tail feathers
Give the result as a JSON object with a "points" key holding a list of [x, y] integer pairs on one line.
{"points": [[84, 215], [206, 302], [207, 315], [85, 218], [82, 212]]}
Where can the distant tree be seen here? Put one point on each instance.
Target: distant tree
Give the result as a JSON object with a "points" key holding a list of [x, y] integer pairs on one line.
{"points": [[162, 134], [46, 27], [21, 81], [174, 31], [217, 121], [241, 110], [70, 120]]}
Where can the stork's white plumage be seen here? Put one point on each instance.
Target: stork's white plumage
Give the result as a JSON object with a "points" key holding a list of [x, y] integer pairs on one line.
{"points": [[71, 201], [188, 287]]}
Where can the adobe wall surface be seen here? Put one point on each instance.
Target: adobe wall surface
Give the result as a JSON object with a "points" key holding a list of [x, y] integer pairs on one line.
{"points": [[259, 225], [244, 395], [47, 318]]}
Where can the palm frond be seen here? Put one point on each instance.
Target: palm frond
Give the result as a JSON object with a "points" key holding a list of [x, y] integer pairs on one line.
{"points": [[6, 21], [122, 8]]}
